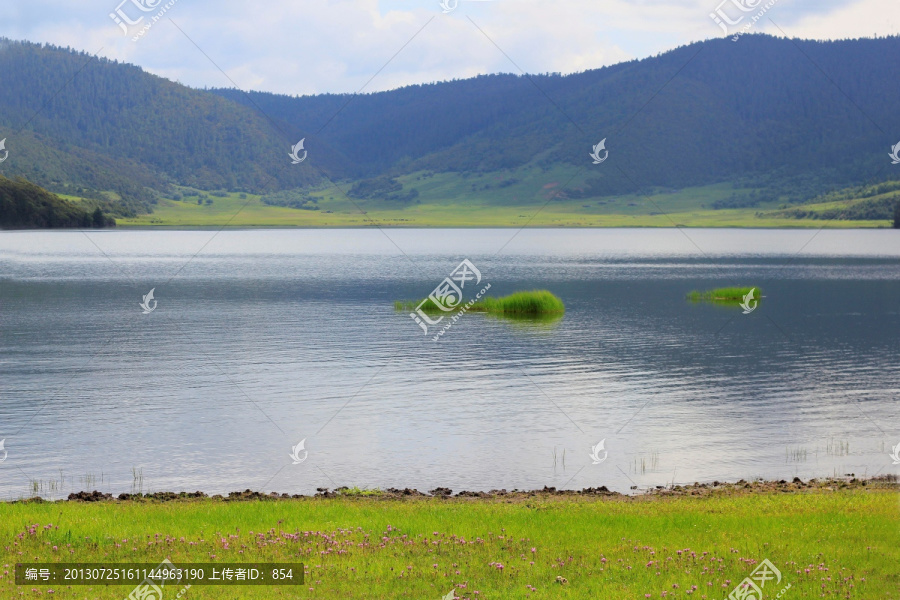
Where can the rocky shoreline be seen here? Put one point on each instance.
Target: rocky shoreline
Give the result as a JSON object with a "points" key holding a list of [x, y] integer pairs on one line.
{"points": [[696, 490]]}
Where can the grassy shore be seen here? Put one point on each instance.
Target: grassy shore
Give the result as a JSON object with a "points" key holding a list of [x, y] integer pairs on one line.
{"points": [[833, 539], [526, 197], [453, 200], [235, 212]]}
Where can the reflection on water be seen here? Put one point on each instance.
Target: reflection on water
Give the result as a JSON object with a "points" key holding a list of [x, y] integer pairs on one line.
{"points": [[529, 323], [270, 337]]}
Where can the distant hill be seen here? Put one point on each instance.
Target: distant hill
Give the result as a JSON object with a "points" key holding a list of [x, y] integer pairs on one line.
{"points": [[24, 205], [790, 116], [783, 120], [108, 126]]}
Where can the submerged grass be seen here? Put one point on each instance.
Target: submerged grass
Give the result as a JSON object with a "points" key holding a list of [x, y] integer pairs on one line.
{"points": [[525, 304], [726, 294]]}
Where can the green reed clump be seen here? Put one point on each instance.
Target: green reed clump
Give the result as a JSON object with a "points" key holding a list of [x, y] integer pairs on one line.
{"points": [[727, 294], [534, 302]]}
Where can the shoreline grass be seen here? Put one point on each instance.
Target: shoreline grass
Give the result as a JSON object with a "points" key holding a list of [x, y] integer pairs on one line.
{"points": [[834, 538], [518, 304], [447, 201]]}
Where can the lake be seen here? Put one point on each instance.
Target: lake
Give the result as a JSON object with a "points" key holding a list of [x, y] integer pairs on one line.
{"points": [[261, 339]]}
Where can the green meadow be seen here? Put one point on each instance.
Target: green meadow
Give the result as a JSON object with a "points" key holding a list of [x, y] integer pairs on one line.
{"points": [[832, 540], [528, 197]]}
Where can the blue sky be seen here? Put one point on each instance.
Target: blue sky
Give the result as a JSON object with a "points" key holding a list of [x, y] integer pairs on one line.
{"points": [[316, 46]]}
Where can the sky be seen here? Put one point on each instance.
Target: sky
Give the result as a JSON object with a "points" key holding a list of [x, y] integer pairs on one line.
{"points": [[300, 47]]}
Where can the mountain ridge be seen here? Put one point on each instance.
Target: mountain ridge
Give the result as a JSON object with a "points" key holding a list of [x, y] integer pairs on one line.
{"points": [[788, 119]]}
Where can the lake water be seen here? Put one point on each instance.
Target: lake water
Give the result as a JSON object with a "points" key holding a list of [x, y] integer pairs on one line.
{"points": [[263, 338]]}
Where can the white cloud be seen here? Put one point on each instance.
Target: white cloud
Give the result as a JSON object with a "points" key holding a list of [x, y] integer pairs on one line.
{"points": [[865, 18], [316, 46]]}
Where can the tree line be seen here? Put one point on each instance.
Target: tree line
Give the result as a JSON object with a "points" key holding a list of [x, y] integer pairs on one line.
{"points": [[24, 205]]}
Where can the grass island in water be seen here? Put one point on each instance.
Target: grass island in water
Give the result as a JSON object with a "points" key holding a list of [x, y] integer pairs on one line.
{"points": [[727, 295], [532, 303]]}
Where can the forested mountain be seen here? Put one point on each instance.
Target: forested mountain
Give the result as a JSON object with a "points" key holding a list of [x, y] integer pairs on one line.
{"points": [[795, 112], [791, 118], [108, 126], [24, 205]]}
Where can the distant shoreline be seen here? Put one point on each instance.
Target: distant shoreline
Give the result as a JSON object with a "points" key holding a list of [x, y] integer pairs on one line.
{"points": [[244, 227]]}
